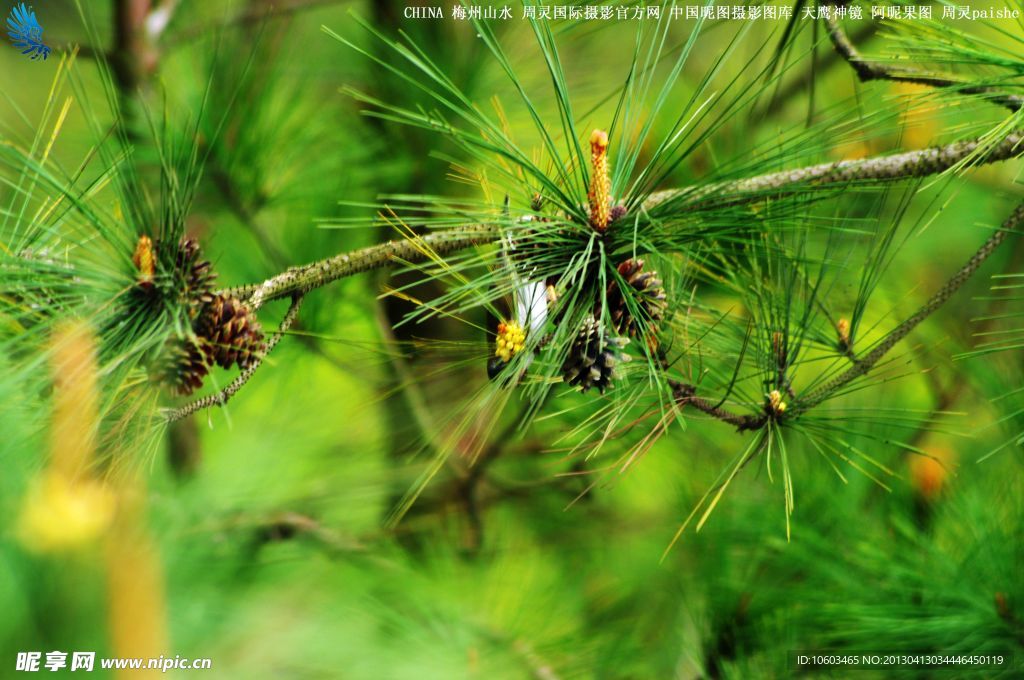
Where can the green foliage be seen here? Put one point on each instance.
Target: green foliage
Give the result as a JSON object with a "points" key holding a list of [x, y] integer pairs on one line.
{"points": [[371, 503]]}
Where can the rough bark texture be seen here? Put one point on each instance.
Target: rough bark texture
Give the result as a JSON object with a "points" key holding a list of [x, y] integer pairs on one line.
{"points": [[299, 280]]}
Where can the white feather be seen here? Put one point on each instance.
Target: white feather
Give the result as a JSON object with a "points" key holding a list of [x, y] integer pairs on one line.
{"points": [[532, 306], [530, 298]]}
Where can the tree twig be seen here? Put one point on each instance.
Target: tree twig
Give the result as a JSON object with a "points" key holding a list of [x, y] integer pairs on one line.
{"points": [[907, 165], [221, 398], [300, 280], [249, 218], [686, 395], [866, 363], [794, 87], [867, 70]]}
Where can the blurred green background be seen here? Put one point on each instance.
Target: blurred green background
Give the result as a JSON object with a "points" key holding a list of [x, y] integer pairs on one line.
{"points": [[267, 545]]}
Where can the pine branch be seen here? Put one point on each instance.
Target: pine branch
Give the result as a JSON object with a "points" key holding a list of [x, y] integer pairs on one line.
{"points": [[866, 363], [911, 164], [221, 398], [908, 165], [867, 71], [686, 395], [796, 86], [297, 281], [950, 393], [300, 280], [249, 218]]}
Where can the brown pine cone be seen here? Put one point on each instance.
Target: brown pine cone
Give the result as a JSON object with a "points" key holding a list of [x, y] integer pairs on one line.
{"points": [[648, 294], [231, 333], [196, 276], [183, 365], [592, 358]]}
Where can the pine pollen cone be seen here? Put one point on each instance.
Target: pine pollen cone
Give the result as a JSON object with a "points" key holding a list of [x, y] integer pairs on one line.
{"points": [[511, 340], [144, 259], [779, 348], [843, 329], [600, 185]]}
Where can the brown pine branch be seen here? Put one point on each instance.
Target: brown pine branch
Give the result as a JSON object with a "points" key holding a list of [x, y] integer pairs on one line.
{"points": [[949, 393], [132, 56], [686, 395], [300, 280], [894, 167], [867, 71], [907, 165], [796, 86], [248, 216], [864, 364], [297, 281]]}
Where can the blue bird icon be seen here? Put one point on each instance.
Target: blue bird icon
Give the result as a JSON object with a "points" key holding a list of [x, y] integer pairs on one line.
{"points": [[26, 33]]}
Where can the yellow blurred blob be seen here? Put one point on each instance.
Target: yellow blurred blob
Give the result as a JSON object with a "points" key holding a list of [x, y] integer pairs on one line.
{"points": [[930, 476], [59, 514], [65, 507], [68, 507], [136, 605]]}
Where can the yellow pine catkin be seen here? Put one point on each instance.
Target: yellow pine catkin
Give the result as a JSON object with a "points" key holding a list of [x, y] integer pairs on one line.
{"points": [[511, 340], [66, 507], [843, 330], [599, 194], [779, 349], [144, 259], [136, 586]]}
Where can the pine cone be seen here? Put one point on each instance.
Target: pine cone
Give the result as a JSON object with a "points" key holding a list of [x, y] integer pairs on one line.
{"points": [[592, 358], [224, 331], [196, 275], [183, 365], [231, 333], [648, 294]]}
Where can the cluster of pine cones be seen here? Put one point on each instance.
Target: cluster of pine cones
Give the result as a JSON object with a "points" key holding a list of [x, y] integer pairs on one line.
{"points": [[595, 351], [223, 330]]}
